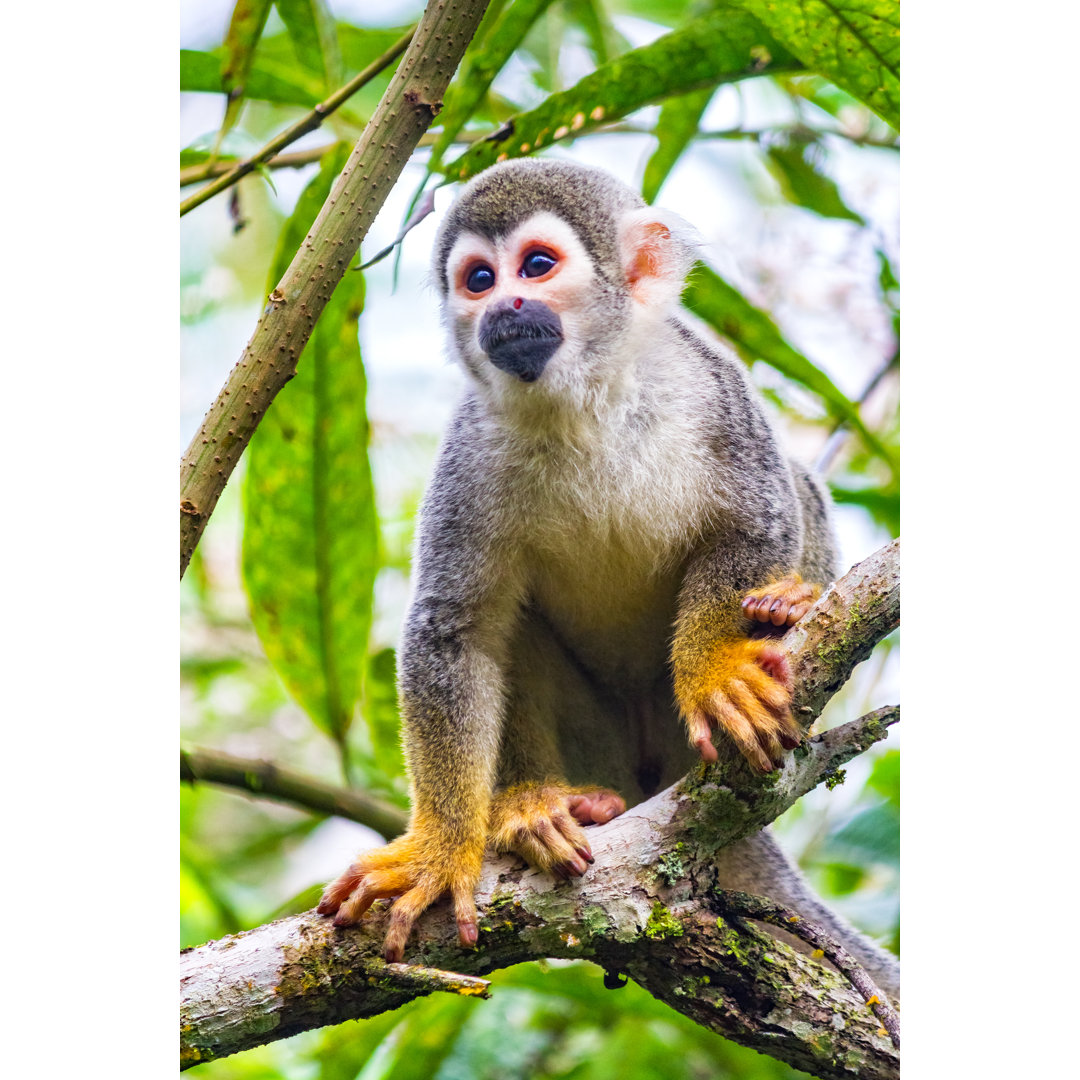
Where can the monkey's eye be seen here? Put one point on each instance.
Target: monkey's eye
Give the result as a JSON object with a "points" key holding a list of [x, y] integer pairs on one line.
{"points": [[481, 278], [537, 263]]}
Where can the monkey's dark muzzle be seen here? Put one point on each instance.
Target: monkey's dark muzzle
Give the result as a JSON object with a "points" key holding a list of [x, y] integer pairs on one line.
{"points": [[520, 337]]}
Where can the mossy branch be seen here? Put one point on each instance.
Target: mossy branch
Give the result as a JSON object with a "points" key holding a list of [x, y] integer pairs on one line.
{"points": [[650, 907], [411, 101], [270, 781]]}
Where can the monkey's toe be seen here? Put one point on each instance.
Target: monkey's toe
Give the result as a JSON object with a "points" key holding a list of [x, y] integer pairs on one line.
{"points": [[543, 823], [783, 603]]}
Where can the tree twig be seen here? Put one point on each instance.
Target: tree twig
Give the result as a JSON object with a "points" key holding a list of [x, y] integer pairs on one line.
{"points": [[193, 174], [411, 101], [270, 781], [647, 907], [840, 431], [302, 126], [765, 910]]}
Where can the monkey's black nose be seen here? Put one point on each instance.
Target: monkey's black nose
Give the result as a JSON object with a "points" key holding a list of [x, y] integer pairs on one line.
{"points": [[520, 337]]}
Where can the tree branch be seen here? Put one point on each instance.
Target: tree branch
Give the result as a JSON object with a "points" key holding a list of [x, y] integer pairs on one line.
{"points": [[651, 906], [272, 782], [302, 126], [411, 101]]}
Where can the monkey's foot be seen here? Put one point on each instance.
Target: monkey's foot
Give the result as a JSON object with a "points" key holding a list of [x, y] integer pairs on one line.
{"points": [[783, 603], [418, 869], [543, 824], [745, 689]]}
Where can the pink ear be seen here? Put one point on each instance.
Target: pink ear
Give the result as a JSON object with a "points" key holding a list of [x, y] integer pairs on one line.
{"points": [[649, 252], [656, 256]]}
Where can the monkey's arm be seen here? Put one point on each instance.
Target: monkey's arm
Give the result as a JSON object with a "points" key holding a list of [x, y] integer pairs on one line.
{"points": [[723, 676], [465, 601]]}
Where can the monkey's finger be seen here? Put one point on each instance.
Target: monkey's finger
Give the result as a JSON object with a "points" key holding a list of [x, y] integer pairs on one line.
{"points": [[338, 890], [543, 847], [778, 611], [700, 731], [465, 913], [766, 722], [758, 607], [403, 915], [596, 807], [742, 733], [352, 910], [797, 612], [572, 833]]}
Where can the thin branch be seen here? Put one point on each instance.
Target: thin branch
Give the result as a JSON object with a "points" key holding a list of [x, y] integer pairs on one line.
{"points": [[411, 101], [302, 126], [270, 781], [840, 431], [647, 907], [194, 174], [765, 910]]}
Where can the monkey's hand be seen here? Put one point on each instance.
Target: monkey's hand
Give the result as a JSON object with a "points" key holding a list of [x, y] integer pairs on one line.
{"points": [[783, 603], [543, 823], [418, 868], [743, 686]]}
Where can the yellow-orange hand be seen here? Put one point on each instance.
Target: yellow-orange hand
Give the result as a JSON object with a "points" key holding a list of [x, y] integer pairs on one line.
{"points": [[742, 686], [543, 824], [418, 869]]}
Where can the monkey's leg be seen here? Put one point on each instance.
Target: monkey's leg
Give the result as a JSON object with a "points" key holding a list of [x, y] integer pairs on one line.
{"points": [[781, 603], [723, 677], [537, 813]]}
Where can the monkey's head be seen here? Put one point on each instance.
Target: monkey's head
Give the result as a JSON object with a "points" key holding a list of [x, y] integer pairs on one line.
{"points": [[550, 274]]}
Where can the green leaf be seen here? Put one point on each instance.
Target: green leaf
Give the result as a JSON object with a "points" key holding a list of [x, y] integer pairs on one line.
{"points": [[310, 534], [381, 713], [676, 128], [245, 29], [885, 779], [314, 36], [856, 43], [722, 47], [872, 835], [756, 337], [803, 183], [604, 40], [201, 72], [478, 69], [881, 503]]}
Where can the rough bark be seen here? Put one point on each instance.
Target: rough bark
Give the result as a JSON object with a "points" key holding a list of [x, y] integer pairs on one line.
{"points": [[650, 906], [411, 101]]}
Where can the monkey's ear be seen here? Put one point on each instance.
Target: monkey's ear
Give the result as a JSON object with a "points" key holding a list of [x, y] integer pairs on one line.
{"points": [[657, 251]]}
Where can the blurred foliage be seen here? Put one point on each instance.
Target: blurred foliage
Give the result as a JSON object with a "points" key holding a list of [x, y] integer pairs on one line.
{"points": [[782, 104]]}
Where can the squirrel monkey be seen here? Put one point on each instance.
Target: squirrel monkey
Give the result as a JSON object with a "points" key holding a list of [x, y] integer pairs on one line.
{"points": [[610, 533]]}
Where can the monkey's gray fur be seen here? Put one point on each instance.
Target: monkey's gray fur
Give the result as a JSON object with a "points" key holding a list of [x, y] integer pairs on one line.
{"points": [[571, 520]]}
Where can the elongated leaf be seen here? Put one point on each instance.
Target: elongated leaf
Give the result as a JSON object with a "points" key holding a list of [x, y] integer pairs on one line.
{"points": [[803, 182], [479, 67], [856, 43], [756, 337], [676, 128], [605, 42], [882, 504], [314, 36], [381, 713], [201, 71], [722, 47], [310, 535], [245, 29]]}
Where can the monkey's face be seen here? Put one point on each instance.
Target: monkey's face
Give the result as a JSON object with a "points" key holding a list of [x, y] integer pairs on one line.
{"points": [[529, 308]]}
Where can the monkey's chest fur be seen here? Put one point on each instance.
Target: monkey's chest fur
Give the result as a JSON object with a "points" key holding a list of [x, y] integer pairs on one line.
{"points": [[606, 528]]}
